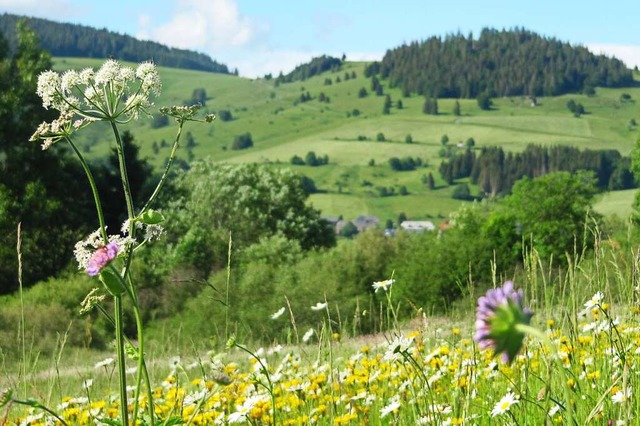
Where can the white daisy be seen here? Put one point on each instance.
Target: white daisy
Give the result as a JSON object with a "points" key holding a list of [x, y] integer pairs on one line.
{"points": [[277, 314], [307, 336], [384, 285], [594, 301], [504, 404], [621, 396], [319, 306]]}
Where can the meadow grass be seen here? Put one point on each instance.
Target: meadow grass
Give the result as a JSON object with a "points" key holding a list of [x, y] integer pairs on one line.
{"points": [[282, 127], [429, 370], [618, 203]]}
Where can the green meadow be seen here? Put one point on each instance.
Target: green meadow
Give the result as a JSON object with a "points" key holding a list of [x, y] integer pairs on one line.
{"points": [[282, 127]]}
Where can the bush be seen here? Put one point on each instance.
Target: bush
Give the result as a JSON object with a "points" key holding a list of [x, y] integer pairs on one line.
{"points": [[296, 160], [462, 192], [225, 115], [242, 142], [159, 120]]}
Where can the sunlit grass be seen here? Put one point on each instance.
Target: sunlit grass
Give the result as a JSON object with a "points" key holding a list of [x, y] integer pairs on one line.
{"points": [[426, 371]]}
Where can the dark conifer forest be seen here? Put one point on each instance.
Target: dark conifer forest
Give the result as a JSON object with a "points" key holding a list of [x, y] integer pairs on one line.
{"points": [[61, 39], [498, 63]]}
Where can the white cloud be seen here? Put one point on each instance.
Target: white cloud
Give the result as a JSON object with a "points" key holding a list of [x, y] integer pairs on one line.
{"points": [[51, 9], [203, 25], [629, 54]]}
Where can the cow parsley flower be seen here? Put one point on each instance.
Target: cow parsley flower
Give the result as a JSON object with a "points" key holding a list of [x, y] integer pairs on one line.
{"points": [[499, 314]]}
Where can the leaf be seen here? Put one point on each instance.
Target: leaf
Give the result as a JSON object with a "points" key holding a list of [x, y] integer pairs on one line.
{"points": [[152, 217], [112, 282]]}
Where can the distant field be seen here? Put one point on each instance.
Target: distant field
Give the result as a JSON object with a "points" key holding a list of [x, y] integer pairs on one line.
{"points": [[617, 203], [282, 127]]}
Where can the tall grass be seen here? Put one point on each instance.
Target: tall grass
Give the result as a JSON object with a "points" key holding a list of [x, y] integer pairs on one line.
{"points": [[424, 371]]}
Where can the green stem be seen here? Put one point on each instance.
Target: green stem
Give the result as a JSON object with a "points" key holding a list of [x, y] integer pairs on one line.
{"points": [[165, 174], [121, 361], [94, 190], [125, 178], [142, 367], [35, 404], [266, 374]]}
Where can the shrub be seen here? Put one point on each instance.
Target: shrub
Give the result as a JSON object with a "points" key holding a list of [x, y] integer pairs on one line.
{"points": [[243, 141], [225, 115]]}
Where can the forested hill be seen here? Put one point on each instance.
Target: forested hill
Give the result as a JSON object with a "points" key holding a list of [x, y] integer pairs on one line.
{"points": [[73, 40], [314, 67], [499, 63]]}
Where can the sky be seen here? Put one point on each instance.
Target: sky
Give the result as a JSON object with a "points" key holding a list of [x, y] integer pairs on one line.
{"points": [[257, 37]]}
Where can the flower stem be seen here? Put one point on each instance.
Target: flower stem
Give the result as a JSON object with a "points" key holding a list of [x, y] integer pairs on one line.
{"points": [[121, 360], [165, 174], [94, 190], [125, 177]]}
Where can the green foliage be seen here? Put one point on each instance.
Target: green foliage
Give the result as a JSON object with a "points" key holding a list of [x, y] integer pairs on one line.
{"points": [[243, 141], [316, 66], [408, 139], [62, 39], [362, 93], [224, 115], [405, 163], [198, 97], [51, 311], [248, 202], [462, 192], [349, 230], [552, 211], [159, 121], [484, 101], [456, 109], [380, 137], [495, 171], [430, 106], [40, 189], [296, 160]]}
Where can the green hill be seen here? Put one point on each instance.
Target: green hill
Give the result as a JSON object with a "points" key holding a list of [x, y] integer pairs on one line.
{"points": [[64, 39], [346, 127]]}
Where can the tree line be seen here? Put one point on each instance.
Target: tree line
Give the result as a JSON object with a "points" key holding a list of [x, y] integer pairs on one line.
{"points": [[63, 39], [496, 171], [499, 63], [314, 67]]}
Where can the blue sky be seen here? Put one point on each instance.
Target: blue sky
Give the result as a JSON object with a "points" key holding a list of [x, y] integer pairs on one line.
{"points": [[258, 36]]}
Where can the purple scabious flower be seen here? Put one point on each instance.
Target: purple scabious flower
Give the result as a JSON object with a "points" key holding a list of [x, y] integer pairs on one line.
{"points": [[499, 313], [101, 258]]}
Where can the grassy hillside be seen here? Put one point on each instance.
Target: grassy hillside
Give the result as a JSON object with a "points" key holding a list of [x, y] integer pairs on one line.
{"points": [[281, 127]]}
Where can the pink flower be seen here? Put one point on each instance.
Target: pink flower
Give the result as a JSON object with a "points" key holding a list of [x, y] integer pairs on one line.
{"points": [[101, 258], [499, 314]]}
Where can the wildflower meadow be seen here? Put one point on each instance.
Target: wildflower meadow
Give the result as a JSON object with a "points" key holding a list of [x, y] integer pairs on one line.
{"points": [[545, 346]]}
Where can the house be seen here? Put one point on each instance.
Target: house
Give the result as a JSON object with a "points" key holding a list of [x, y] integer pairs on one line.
{"points": [[417, 225], [364, 222]]}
